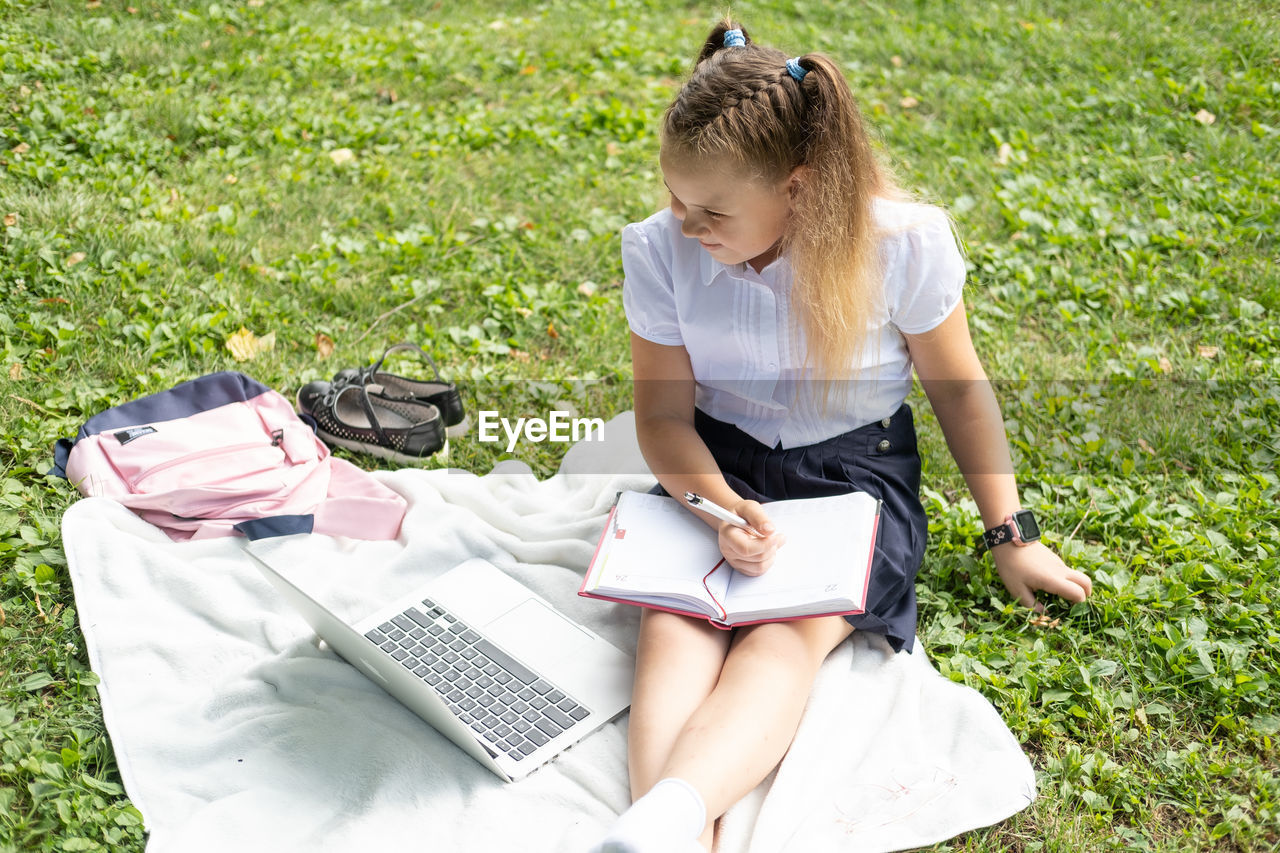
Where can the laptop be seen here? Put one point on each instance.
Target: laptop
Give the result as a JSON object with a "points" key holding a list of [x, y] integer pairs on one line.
{"points": [[479, 656]]}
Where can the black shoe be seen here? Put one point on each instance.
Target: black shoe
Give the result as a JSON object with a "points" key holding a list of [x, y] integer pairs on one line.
{"points": [[357, 418], [438, 392]]}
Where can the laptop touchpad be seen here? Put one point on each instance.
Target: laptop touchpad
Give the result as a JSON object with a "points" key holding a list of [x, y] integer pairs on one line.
{"points": [[536, 632]]}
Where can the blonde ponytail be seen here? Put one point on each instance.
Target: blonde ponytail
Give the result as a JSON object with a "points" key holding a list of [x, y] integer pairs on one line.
{"points": [[832, 240]]}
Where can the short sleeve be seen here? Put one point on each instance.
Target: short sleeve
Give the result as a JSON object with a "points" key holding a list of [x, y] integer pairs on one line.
{"points": [[648, 289], [925, 280]]}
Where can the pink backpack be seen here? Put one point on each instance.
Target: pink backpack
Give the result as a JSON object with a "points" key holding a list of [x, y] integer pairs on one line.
{"points": [[223, 454]]}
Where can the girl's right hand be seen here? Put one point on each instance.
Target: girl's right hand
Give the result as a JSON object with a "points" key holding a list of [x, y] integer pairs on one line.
{"points": [[749, 554]]}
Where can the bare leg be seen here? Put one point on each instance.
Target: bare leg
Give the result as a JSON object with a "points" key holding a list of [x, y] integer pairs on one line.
{"points": [[678, 662], [740, 732], [713, 718]]}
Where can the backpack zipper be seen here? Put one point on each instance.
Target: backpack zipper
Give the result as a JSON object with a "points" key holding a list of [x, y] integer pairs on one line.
{"points": [[198, 455]]}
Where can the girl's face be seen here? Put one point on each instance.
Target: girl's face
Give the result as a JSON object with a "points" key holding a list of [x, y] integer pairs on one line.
{"points": [[736, 220]]}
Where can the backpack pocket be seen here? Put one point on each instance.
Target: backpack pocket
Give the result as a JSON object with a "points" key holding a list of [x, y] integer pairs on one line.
{"points": [[234, 463], [226, 445]]}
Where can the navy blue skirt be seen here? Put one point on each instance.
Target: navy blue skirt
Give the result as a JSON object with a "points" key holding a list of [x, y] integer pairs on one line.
{"points": [[880, 459]]}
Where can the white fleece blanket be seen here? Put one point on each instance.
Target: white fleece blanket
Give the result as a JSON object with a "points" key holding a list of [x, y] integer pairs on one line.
{"points": [[235, 730]]}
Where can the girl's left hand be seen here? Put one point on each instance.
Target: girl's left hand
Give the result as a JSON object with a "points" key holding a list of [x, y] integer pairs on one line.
{"points": [[1034, 567]]}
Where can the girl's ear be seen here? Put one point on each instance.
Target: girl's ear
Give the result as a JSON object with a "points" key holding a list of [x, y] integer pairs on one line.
{"points": [[798, 176]]}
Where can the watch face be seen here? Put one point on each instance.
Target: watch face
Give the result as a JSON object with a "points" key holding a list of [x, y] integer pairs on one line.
{"points": [[1028, 530]]}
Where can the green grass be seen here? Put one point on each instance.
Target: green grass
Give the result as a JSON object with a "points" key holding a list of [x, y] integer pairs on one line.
{"points": [[167, 177]]}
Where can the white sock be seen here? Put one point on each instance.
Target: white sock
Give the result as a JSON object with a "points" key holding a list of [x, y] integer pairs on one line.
{"points": [[669, 818]]}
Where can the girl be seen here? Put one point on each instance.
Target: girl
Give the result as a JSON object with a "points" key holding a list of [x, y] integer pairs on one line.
{"points": [[777, 309]]}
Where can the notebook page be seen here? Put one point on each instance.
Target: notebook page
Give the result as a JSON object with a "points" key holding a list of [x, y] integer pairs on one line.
{"points": [[825, 555], [663, 548]]}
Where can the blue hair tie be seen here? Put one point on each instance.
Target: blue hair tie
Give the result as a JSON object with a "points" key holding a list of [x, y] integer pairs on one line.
{"points": [[734, 38], [793, 68]]}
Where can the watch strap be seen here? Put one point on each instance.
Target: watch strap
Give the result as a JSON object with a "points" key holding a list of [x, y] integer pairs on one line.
{"points": [[1000, 534]]}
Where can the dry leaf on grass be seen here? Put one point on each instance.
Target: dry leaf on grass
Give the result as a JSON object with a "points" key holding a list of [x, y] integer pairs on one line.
{"points": [[324, 345], [342, 155], [75, 258], [1205, 117], [10, 220], [245, 345], [1207, 351], [15, 371]]}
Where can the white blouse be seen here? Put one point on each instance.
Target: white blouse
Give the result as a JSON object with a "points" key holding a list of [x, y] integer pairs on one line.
{"points": [[746, 352]]}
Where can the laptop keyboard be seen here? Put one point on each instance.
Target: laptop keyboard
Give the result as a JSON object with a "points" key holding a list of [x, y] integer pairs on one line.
{"points": [[501, 699]]}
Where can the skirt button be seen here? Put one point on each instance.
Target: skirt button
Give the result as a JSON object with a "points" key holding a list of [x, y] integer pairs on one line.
{"points": [[883, 445]]}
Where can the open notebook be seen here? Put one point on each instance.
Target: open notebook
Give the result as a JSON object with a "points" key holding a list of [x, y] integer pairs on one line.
{"points": [[655, 553]]}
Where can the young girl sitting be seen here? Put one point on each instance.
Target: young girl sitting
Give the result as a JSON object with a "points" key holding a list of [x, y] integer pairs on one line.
{"points": [[777, 309]]}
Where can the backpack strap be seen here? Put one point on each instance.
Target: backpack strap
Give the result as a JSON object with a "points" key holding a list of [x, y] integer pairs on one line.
{"points": [[275, 525]]}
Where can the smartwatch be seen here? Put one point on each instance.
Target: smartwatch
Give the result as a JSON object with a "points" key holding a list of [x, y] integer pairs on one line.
{"points": [[1020, 529]]}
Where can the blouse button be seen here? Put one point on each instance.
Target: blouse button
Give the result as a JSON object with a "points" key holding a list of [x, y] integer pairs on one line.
{"points": [[883, 445], [886, 422]]}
